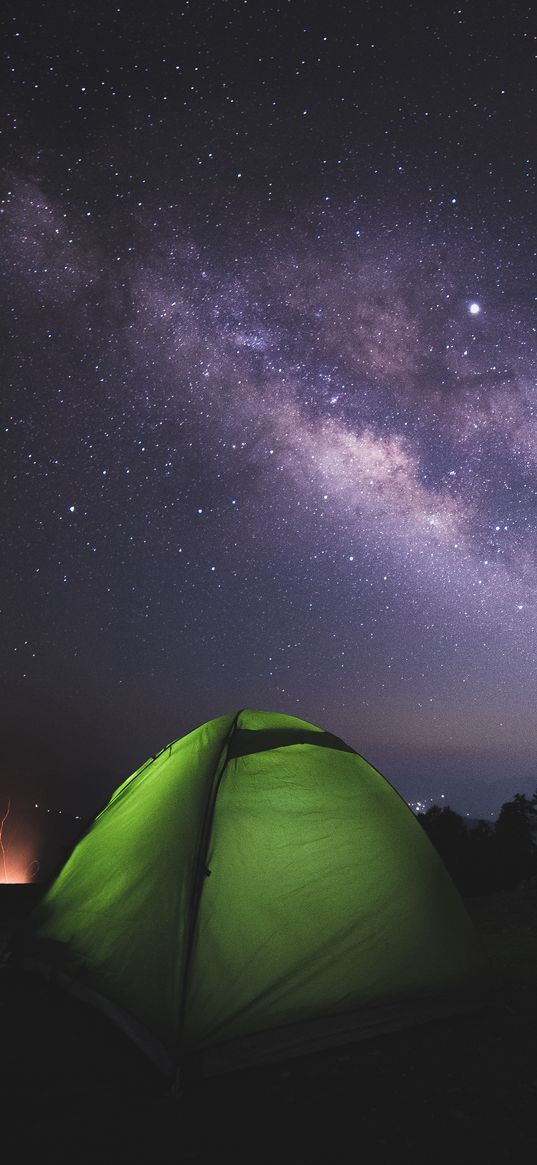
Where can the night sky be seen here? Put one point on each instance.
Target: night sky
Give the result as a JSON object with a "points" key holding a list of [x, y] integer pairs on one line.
{"points": [[268, 398]]}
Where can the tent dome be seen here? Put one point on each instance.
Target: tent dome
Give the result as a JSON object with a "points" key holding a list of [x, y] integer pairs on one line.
{"points": [[256, 890]]}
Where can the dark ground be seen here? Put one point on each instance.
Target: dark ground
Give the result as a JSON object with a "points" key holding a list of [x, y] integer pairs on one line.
{"points": [[459, 1089]]}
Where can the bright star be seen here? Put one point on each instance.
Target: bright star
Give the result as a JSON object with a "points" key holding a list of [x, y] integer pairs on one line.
{"points": [[474, 309]]}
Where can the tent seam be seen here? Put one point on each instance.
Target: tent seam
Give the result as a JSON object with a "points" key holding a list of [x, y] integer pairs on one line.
{"points": [[199, 876]]}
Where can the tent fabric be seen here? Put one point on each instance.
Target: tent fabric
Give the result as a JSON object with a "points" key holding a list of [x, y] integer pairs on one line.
{"points": [[256, 890]]}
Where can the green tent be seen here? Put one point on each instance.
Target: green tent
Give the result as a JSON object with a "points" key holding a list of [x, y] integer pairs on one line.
{"points": [[256, 890]]}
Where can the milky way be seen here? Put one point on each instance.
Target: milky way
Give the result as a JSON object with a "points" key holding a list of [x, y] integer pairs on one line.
{"points": [[269, 404]]}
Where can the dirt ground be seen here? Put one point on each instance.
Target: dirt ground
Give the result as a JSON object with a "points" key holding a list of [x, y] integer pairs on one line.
{"points": [[74, 1090]]}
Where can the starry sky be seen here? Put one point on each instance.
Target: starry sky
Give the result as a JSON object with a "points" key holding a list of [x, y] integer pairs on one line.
{"points": [[269, 429]]}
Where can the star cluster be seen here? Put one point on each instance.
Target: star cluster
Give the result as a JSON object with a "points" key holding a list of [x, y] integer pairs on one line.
{"points": [[269, 406]]}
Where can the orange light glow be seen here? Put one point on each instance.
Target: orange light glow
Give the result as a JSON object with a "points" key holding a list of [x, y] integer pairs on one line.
{"points": [[20, 867], [16, 862], [2, 847]]}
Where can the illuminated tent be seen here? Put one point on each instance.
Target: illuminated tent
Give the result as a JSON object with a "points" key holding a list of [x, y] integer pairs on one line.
{"points": [[256, 890]]}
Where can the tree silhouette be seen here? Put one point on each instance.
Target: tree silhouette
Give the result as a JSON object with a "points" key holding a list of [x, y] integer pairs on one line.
{"points": [[515, 838], [449, 835], [482, 864], [485, 859]]}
